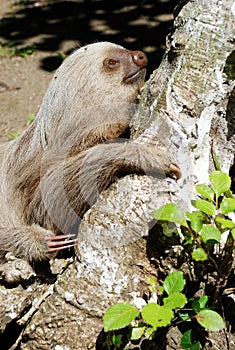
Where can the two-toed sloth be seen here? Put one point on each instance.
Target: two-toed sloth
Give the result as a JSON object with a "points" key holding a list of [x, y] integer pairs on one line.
{"points": [[52, 173]]}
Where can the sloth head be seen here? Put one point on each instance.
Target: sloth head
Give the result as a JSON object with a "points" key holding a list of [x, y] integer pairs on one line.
{"points": [[96, 75], [101, 73]]}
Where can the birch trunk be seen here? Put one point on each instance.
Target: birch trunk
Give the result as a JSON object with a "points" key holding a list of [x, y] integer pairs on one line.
{"points": [[185, 108]]}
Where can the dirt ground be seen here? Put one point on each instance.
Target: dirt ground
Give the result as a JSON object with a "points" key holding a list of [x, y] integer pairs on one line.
{"points": [[57, 27]]}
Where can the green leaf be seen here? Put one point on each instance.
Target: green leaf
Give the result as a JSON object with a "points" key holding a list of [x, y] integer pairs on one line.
{"points": [[119, 316], [225, 223], [203, 301], [174, 282], [210, 320], [195, 346], [170, 212], [196, 218], [13, 135], [30, 118], [227, 205], [149, 333], [210, 232], [137, 332], [200, 303], [205, 191], [116, 339], [233, 233], [160, 289], [175, 300], [205, 206], [156, 315], [187, 341], [199, 254], [186, 315], [153, 284], [220, 182], [188, 237]]}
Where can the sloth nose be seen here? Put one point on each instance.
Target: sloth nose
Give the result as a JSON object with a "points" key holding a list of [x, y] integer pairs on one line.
{"points": [[139, 58]]}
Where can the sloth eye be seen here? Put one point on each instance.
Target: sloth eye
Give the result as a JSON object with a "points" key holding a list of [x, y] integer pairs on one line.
{"points": [[111, 63]]}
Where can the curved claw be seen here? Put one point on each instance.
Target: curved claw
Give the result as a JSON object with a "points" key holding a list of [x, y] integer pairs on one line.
{"points": [[60, 242], [175, 170]]}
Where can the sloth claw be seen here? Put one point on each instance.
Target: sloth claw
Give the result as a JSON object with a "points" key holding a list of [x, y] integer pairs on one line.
{"points": [[60, 242], [175, 171]]}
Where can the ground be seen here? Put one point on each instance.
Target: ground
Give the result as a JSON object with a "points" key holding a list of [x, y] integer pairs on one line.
{"points": [[57, 28]]}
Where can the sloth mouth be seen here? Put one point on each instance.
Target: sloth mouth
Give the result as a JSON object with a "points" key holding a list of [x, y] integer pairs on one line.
{"points": [[135, 77]]}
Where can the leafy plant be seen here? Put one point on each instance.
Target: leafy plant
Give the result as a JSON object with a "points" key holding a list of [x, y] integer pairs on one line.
{"points": [[11, 49], [13, 135], [30, 118], [208, 236], [171, 305], [62, 55], [209, 230]]}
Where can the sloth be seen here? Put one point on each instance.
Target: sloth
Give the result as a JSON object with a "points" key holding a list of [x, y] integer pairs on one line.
{"points": [[74, 149]]}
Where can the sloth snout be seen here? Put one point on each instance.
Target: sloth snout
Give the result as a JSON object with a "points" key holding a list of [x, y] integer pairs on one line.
{"points": [[139, 58]]}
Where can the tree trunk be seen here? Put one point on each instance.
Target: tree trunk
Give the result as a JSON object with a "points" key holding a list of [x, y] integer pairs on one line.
{"points": [[186, 108]]}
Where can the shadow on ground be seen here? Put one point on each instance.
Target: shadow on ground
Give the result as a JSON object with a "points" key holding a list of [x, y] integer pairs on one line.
{"points": [[133, 24]]}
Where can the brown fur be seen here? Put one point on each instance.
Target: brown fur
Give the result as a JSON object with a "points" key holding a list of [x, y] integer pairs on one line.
{"points": [[54, 171]]}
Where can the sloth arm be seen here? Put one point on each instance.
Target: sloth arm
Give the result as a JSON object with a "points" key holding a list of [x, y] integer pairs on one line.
{"points": [[32, 242], [96, 168], [68, 188], [90, 172]]}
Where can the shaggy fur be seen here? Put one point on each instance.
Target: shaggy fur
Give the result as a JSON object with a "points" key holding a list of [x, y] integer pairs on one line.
{"points": [[54, 171]]}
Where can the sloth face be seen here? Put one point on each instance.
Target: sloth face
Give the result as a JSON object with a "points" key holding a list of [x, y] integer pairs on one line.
{"points": [[131, 63]]}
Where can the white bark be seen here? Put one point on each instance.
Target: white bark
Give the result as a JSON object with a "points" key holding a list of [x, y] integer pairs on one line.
{"points": [[183, 107]]}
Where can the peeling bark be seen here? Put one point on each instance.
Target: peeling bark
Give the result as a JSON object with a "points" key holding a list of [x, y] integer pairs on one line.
{"points": [[187, 96], [186, 106]]}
